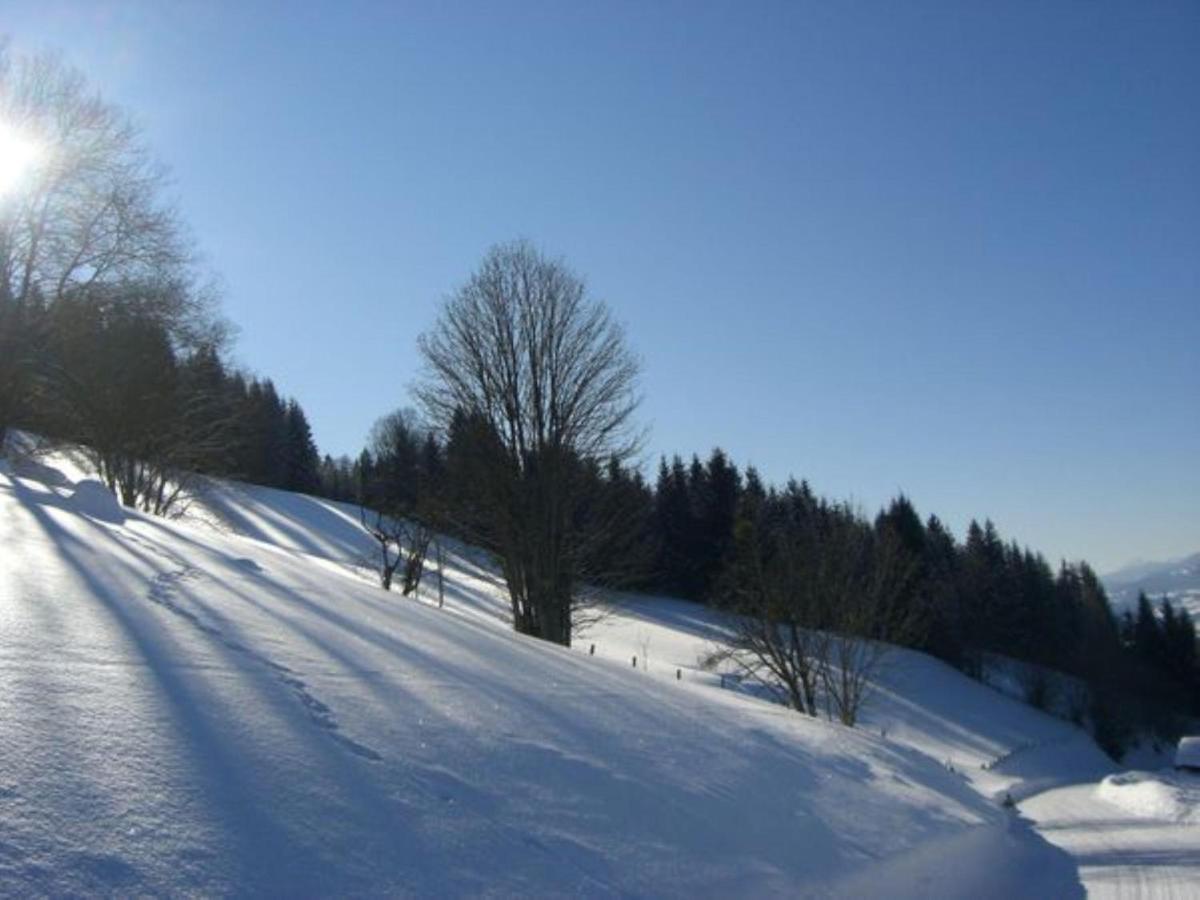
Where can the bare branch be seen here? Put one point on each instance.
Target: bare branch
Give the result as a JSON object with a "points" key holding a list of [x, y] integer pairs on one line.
{"points": [[522, 359]]}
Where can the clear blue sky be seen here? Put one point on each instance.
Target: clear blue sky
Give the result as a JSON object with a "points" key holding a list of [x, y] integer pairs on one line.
{"points": [[949, 248]]}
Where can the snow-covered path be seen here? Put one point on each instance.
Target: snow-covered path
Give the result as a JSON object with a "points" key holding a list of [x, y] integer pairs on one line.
{"points": [[1118, 854]]}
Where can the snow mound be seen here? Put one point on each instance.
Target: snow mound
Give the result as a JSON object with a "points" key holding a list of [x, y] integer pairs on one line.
{"points": [[94, 500], [1154, 795], [1188, 753]]}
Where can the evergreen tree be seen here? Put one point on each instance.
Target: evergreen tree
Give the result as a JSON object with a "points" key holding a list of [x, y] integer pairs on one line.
{"points": [[675, 524], [718, 506], [1147, 635], [941, 567], [901, 522], [300, 461]]}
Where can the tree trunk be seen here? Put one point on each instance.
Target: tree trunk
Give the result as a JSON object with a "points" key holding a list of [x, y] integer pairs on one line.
{"points": [[441, 575]]}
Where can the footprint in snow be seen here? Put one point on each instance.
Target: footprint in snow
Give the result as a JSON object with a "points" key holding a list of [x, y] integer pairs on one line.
{"points": [[163, 591]]}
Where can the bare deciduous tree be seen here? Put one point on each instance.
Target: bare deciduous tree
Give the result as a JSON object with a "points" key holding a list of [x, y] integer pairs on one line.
{"points": [[86, 226], [543, 375], [777, 637], [417, 548], [816, 598], [440, 555], [90, 210], [112, 383], [401, 490], [384, 531], [402, 545], [868, 615]]}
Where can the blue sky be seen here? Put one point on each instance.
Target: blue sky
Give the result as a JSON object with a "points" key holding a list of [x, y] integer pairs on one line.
{"points": [[947, 248]]}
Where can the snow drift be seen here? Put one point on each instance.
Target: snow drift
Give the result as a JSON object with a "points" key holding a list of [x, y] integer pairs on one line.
{"points": [[1165, 796]]}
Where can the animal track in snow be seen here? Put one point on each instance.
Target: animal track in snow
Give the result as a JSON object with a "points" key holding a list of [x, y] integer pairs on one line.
{"points": [[163, 592]]}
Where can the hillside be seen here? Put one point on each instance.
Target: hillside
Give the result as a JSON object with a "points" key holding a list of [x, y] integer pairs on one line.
{"points": [[1178, 579], [228, 705]]}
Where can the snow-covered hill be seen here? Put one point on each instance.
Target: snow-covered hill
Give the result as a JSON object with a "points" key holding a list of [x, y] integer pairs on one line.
{"points": [[229, 705], [1178, 579]]}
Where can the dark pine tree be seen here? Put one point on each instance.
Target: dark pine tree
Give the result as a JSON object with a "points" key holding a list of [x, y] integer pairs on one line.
{"points": [[675, 525], [301, 460]]}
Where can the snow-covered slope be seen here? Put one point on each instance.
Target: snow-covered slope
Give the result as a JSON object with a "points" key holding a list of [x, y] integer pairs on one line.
{"points": [[1178, 579], [1000, 744], [190, 709]]}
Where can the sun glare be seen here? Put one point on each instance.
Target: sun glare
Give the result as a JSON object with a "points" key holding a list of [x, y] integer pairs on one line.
{"points": [[18, 154]]}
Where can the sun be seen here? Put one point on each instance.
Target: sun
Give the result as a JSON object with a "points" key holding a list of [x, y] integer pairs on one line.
{"points": [[18, 155]]}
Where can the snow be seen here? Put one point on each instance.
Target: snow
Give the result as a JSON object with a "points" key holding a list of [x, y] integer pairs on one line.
{"points": [[1120, 853], [229, 705], [997, 743], [1178, 580], [1188, 752], [94, 500], [1154, 795]]}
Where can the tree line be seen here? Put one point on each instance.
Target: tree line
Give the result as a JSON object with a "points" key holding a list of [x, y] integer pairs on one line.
{"points": [[100, 368], [1163, 644], [816, 589], [786, 557], [801, 574]]}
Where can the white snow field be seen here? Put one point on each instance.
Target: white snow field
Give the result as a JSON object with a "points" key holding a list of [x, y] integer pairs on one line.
{"points": [[1126, 841], [228, 705]]}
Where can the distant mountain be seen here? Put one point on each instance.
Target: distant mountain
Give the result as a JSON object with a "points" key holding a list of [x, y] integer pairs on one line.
{"points": [[1178, 579]]}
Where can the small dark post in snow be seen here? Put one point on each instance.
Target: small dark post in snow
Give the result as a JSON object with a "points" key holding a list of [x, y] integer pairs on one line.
{"points": [[441, 573], [679, 674], [592, 652], [635, 662]]}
